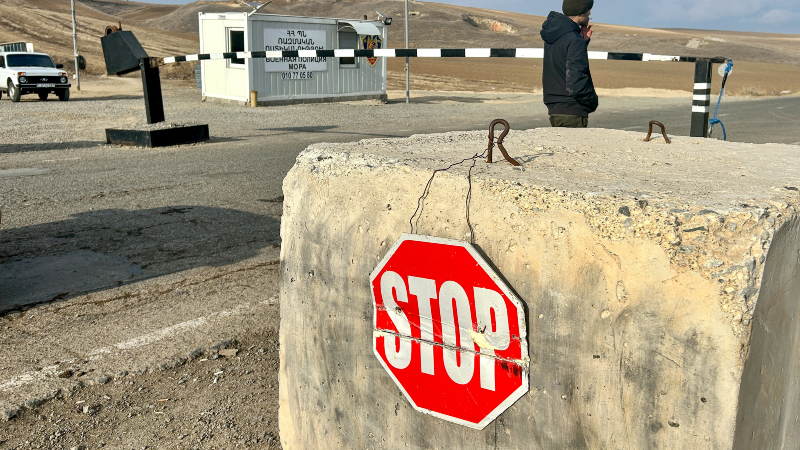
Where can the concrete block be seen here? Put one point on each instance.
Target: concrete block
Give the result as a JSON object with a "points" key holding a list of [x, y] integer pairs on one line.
{"points": [[660, 284]]}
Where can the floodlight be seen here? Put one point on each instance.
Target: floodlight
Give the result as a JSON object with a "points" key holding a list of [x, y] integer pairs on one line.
{"points": [[384, 18]]}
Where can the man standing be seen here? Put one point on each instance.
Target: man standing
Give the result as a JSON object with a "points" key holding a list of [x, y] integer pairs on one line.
{"points": [[568, 90]]}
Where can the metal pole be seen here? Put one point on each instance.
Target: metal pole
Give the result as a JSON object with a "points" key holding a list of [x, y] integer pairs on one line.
{"points": [[75, 47], [151, 82], [408, 78], [701, 100]]}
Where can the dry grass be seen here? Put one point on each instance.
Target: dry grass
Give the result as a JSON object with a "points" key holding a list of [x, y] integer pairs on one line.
{"points": [[179, 71], [748, 79], [750, 91]]}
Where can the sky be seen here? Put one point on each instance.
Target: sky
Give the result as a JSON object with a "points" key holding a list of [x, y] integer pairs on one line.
{"points": [[771, 16]]}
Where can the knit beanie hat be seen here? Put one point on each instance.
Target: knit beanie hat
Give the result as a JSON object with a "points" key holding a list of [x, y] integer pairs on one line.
{"points": [[576, 7]]}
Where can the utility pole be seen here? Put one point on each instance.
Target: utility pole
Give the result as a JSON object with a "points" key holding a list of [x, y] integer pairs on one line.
{"points": [[408, 77], [75, 47]]}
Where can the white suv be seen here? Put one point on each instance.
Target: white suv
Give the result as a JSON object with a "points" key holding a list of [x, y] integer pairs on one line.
{"points": [[23, 71]]}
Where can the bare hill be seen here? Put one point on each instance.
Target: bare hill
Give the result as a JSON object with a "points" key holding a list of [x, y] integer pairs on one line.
{"points": [[438, 25], [184, 19], [168, 30], [114, 8], [48, 25]]}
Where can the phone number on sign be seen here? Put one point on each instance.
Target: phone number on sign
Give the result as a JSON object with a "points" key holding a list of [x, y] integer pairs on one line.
{"points": [[298, 75]]}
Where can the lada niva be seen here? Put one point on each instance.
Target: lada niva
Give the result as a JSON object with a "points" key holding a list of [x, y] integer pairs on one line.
{"points": [[23, 71]]}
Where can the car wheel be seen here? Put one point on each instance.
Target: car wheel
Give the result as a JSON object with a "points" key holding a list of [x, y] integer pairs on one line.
{"points": [[42, 96], [63, 95], [13, 92]]}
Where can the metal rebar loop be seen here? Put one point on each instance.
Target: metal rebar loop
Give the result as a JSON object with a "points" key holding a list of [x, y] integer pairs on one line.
{"points": [[499, 142], [663, 131]]}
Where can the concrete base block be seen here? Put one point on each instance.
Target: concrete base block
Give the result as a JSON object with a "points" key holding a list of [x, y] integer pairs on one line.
{"points": [[380, 98], [158, 137], [660, 281]]}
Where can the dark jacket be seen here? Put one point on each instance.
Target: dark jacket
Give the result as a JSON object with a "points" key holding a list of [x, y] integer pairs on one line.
{"points": [[567, 81]]}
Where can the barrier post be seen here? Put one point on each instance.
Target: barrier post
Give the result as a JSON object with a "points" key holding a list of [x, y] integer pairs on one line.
{"points": [[701, 98], [124, 54], [151, 81]]}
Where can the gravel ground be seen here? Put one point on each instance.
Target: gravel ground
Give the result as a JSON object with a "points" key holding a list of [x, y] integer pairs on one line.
{"points": [[211, 402]]}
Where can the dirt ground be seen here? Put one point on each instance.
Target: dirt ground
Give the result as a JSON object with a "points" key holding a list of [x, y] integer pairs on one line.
{"points": [[211, 402]]}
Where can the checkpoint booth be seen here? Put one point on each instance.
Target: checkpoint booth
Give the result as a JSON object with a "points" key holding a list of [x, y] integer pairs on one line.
{"points": [[290, 80]]}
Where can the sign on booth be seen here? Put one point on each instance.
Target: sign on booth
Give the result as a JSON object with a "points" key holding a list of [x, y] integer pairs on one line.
{"points": [[448, 330], [291, 40]]}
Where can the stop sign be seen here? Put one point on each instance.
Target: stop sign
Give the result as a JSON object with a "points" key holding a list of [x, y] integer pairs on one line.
{"points": [[448, 330]]}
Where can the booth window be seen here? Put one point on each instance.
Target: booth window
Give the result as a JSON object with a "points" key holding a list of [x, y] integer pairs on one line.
{"points": [[236, 44], [348, 38]]}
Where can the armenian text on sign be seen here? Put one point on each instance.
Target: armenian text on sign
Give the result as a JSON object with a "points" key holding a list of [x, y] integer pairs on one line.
{"points": [[293, 40]]}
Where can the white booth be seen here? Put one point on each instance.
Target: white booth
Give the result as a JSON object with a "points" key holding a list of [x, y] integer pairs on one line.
{"points": [[290, 80]]}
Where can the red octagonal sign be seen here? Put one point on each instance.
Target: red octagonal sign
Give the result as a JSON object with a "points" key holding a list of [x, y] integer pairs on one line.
{"points": [[448, 330]]}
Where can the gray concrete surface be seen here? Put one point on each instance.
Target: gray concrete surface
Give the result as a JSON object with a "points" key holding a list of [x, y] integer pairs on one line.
{"points": [[182, 240], [645, 268], [769, 400], [758, 121], [45, 278]]}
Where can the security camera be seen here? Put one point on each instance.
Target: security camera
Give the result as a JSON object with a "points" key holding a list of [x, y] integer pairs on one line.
{"points": [[384, 18]]}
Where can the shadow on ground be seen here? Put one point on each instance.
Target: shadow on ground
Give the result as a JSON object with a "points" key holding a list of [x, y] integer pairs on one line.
{"points": [[430, 99], [531, 158], [322, 129], [45, 146], [108, 97], [101, 249]]}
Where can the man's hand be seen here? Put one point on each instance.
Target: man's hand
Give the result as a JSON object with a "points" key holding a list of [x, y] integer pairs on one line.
{"points": [[586, 32]]}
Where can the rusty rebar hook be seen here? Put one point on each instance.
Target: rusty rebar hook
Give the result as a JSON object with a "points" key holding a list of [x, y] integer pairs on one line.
{"points": [[500, 141], [663, 131]]}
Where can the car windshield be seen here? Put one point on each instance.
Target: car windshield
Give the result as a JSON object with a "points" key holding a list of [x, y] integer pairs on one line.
{"points": [[22, 60]]}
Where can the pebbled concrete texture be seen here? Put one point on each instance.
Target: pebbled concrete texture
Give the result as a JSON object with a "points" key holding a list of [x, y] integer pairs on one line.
{"points": [[648, 271]]}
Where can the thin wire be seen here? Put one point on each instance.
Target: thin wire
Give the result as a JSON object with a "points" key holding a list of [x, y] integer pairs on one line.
{"points": [[469, 198], [427, 191]]}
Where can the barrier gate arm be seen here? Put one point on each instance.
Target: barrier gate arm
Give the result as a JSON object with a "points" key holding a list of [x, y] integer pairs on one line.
{"points": [[701, 99], [531, 53]]}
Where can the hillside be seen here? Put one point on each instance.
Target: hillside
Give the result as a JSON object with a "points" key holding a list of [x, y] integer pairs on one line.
{"points": [[167, 30], [438, 25], [48, 25]]}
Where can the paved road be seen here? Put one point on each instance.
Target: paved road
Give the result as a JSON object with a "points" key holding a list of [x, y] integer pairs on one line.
{"points": [[140, 256], [756, 121]]}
